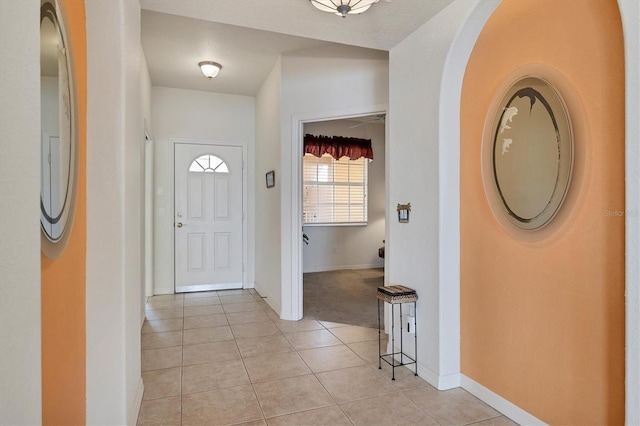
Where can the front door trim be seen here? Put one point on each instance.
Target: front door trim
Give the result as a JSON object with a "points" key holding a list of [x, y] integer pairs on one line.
{"points": [[213, 143]]}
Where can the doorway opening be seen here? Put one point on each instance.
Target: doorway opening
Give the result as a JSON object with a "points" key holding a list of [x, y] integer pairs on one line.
{"points": [[343, 219], [209, 226]]}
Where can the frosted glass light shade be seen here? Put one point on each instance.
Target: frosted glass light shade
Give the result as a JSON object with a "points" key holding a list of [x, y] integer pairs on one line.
{"points": [[210, 69], [343, 7]]}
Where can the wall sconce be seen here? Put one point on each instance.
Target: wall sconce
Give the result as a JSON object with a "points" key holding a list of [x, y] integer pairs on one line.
{"points": [[403, 212], [210, 69]]}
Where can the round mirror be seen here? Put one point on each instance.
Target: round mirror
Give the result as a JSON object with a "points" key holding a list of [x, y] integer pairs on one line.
{"points": [[532, 152], [57, 126]]}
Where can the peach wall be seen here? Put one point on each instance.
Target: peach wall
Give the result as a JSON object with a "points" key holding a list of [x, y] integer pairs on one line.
{"points": [[64, 279], [542, 318]]}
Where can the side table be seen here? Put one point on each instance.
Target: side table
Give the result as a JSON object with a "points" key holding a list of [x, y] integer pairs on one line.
{"points": [[397, 295]]}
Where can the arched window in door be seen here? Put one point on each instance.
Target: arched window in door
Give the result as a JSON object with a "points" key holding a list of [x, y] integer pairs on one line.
{"points": [[208, 164]]}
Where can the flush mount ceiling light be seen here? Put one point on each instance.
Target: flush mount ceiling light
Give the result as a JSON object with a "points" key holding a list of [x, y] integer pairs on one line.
{"points": [[343, 7], [210, 69]]}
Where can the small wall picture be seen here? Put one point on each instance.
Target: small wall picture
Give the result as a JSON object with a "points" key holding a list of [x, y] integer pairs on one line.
{"points": [[271, 179], [403, 212]]}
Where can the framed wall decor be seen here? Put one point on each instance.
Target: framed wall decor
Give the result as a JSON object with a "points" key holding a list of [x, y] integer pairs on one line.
{"points": [[271, 179], [530, 153], [403, 212]]}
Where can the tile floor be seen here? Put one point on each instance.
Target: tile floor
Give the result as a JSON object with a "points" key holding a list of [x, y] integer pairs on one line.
{"points": [[225, 357]]}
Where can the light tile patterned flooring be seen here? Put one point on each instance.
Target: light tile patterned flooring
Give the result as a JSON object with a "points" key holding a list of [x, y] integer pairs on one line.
{"points": [[226, 358]]}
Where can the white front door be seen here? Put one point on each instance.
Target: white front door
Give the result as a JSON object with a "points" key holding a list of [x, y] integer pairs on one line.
{"points": [[208, 217]]}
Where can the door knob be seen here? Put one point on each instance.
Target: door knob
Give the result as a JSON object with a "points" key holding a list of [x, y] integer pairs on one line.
{"points": [[179, 225]]}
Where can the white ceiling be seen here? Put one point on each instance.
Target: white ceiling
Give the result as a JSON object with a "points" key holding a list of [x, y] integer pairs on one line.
{"points": [[247, 36]]}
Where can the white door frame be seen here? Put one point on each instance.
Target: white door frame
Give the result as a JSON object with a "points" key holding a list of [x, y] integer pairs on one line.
{"points": [[293, 298], [245, 221]]}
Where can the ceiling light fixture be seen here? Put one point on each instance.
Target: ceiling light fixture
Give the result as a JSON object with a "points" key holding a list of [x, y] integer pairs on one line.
{"points": [[210, 69], [343, 7]]}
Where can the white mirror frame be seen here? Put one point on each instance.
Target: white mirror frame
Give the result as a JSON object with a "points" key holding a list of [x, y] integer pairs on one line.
{"points": [[53, 243]]}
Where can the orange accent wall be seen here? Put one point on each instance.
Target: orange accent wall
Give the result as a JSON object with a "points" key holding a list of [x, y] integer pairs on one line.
{"points": [[542, 321], [64, 279]]}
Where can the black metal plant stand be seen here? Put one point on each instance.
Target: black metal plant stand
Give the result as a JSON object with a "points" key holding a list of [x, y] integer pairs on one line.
{"points": [[397, 295]]}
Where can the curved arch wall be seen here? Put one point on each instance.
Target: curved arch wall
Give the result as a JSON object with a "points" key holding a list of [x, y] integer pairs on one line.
{"points": [[64, 279], [543, 318]]}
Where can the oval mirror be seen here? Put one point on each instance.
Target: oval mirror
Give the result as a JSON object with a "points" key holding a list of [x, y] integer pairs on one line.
{"points": [[532, 152], [57, 130]]}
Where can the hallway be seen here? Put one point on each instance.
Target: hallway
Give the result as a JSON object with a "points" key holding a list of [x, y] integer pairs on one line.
{"points": [[226, 358]]}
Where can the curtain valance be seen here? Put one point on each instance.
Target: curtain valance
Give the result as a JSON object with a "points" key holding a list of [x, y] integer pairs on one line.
{"points": [[338, 147]]}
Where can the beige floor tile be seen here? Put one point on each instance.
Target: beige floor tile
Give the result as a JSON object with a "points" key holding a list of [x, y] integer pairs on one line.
{"points": [[198, 294], [285, 396], [164, 411], [194, 336], [194, 311], [209, 352], [275, 366], [330, 358], [312, 339], [215, 375], [161, 383], [242, 298], [352, 333], [236, 292], [204, 321], [329, 324], [201, 301], [297, 326], [497, 421], [247, 317], [254, 423], [367, 350], [155, 359], [272, 314], [241, 307], [394, 409], [164, 314], [255, 346], [243, 331], [452, 407], [332, 415], [405, 377], [221, 407], [160, 326], [350, 384], [161, 340], [173, 303]]}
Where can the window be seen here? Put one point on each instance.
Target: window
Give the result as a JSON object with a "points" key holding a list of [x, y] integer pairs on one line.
{"points": [[334, 191], [208, 164]]}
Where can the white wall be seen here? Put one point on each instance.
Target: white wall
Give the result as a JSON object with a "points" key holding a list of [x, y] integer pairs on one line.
{"points": [[630, 12], [197, 116], [423, 162], [114, 236], [355, 246], [20, 332], [319, 83], [268, 199], [146, 200]]}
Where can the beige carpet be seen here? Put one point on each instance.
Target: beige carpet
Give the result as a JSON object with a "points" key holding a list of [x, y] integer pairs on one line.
{"points": [[347, 297]]}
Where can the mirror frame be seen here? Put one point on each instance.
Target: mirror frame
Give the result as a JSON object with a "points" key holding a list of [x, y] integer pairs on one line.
{"points": [[53, 246], [557, 106]]}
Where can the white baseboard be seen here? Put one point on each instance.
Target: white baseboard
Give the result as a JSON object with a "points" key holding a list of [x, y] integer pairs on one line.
{"points": [[275, 304], [346, 267], [134, 409], [507, 408]]}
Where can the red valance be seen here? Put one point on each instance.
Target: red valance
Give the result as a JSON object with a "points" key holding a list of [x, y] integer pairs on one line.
{"points": [[338, 147]]}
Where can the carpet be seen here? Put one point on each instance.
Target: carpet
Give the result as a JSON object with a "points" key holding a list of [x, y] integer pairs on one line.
{"points": [[346, 296]]}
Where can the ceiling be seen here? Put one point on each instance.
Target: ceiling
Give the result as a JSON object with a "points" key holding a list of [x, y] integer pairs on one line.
{"points": [[248, 36]]}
